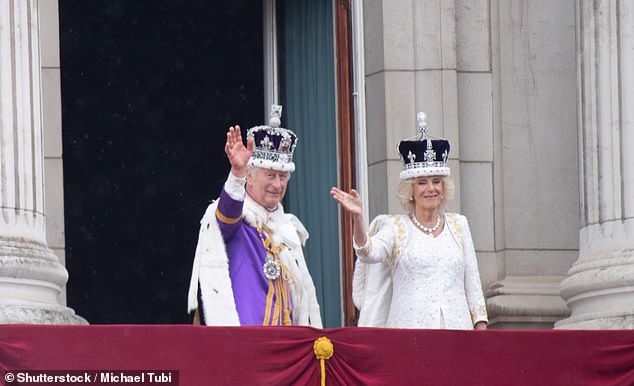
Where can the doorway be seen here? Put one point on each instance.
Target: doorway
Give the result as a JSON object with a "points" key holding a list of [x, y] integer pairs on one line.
{"points": [[149, 89]]}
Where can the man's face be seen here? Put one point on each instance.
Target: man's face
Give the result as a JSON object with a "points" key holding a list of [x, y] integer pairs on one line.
{"points": [[267, 187]]}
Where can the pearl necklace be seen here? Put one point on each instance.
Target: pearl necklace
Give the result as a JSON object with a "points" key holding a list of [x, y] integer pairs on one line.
{"points": [[424, 228]]}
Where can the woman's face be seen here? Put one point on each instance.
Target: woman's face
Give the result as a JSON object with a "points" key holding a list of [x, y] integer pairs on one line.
{"points": [[428, 192]]}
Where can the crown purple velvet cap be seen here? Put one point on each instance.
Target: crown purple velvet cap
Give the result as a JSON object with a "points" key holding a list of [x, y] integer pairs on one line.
{"points": [[424, 157], [274, 145]]}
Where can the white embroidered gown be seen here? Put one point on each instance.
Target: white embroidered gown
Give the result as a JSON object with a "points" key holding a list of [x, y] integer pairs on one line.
{"points": [[435, 284]]}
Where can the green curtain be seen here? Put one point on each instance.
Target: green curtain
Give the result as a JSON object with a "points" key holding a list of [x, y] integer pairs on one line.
{"points": [[310, 110]]}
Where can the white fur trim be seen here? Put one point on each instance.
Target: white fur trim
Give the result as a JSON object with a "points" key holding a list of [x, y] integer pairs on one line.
{"points": [[425, 172], [268, 164], [211, 269]]}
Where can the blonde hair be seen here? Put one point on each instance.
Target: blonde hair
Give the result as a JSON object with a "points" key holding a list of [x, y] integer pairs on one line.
{"points": [[405, 193]]}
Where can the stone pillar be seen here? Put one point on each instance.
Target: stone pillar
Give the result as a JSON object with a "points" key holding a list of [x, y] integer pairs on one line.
{"points": [[527, 233], [31, 276], [599, 288]]}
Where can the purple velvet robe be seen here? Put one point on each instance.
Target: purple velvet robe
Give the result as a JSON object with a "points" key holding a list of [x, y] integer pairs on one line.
{"points": [[246, 258]]}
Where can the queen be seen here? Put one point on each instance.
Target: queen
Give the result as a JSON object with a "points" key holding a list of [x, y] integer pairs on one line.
{"points": [[417, 270]]}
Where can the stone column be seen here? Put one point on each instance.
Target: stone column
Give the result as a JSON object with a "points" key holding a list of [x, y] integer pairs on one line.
{"points": [[31, 276], [519, 153], [599, 288]]}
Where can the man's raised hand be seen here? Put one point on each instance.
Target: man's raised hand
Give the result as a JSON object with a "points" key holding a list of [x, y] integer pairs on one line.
{"points": [[237, 153]]}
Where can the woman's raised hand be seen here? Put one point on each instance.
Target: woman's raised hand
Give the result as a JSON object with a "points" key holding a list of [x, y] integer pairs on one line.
{"points": [[237, 153], [351, 202]]}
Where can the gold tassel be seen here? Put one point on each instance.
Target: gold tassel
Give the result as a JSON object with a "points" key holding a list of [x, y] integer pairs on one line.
{"points": [[323, 349], [279, 288]]}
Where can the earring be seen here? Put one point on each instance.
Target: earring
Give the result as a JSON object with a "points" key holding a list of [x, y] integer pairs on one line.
{"points": [[411, 198]]}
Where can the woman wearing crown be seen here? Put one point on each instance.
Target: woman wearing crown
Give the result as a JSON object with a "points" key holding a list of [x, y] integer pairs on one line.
{"points": [[417, 270]]}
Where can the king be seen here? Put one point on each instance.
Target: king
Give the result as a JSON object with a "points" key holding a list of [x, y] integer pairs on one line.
{"points": [[249, 266]]}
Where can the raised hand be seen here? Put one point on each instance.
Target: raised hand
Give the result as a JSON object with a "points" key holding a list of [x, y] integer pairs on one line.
{"points": [[237, 153], [351, 202]]}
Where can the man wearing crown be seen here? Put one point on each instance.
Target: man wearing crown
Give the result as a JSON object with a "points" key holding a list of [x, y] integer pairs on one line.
{"points": [[249, 267]]}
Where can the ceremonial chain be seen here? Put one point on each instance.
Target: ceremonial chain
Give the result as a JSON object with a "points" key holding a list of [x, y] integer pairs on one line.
{"points": [[271, 268]]}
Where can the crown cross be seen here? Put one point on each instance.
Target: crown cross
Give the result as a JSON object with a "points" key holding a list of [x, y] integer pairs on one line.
{"points": [[430, 155], [422, 124], [285, 145], [421, 117], [275, 116]]}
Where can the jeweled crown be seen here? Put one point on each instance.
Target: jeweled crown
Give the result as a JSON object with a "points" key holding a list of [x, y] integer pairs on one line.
{"points": [[424, 156], [274, 145]]}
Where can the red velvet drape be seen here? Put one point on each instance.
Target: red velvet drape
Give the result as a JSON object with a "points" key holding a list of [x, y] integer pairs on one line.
{"points": [[362, 356]]}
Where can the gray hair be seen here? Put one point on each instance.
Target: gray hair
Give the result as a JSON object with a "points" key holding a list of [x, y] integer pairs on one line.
{"points": [[405, 192], [252, 170]]}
